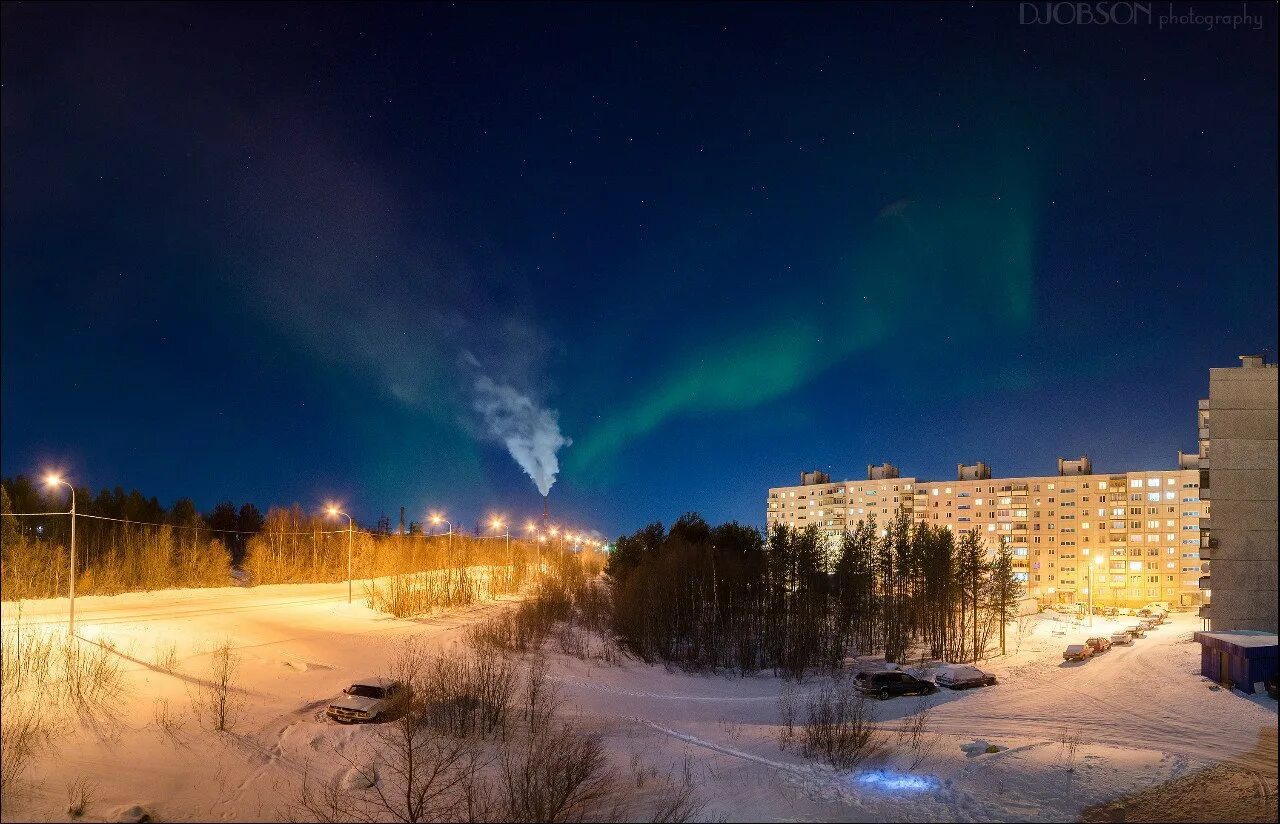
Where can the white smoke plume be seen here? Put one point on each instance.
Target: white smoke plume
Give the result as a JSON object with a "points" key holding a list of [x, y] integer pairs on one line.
{"points": [[531, 433]]}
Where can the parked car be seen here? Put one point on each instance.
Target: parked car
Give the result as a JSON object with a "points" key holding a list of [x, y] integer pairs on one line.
{"points": [[1107, 611], [1121, 637], [1099, 644], [1125, 611], [1163, 606], [367, 700], [963, 676], [1135, 630], [1148, 623], [885, 684], [1077, 652]]}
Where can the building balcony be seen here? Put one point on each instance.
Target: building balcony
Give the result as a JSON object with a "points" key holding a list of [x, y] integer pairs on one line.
{"points": [[1204, 612], [1204, 582]]}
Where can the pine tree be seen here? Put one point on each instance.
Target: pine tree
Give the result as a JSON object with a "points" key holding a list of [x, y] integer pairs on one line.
{"points": [[971, 568], [1004, 589]]}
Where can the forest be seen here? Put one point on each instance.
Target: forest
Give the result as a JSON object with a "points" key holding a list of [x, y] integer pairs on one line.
{"points": [[730, 598]]}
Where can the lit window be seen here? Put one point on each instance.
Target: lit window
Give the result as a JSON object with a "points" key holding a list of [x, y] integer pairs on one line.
{"points": [[1153, 481]]}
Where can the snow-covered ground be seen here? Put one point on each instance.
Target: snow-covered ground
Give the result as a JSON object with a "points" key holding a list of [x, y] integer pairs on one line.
{"points": [[1143, 714]]}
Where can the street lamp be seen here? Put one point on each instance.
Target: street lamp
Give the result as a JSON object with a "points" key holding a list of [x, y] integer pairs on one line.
{"points": [[52, 480], [437, 518], [1097, 561], [497, 523], [333, 513]]}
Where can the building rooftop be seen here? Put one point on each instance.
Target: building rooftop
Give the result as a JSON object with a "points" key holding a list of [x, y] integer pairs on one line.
{"points": [[1242, 637]]}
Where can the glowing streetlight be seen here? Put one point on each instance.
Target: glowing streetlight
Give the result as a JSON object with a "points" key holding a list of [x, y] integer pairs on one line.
{"points": [[530, 526], [437, 518], [334, 512], [497, 523], [53, 480]]}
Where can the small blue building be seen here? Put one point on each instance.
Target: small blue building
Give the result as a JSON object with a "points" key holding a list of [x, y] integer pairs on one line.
{"points": [[1240, 657]]}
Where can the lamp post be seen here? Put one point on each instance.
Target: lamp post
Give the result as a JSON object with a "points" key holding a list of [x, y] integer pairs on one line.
{"points": [[1097, 561], [532, 529], [497, 524], [436, 519], [55, 480], [333, 513]]}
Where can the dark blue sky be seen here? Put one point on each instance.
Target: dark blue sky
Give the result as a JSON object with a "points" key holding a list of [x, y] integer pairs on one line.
{"points": [[245, 248]]}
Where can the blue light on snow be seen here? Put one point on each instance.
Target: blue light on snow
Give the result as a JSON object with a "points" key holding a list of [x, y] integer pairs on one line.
{"points": [[898, 781]]}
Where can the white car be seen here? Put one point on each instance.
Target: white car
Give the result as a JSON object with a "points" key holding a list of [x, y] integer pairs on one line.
{"points": [[366, 700], [963, 676]]}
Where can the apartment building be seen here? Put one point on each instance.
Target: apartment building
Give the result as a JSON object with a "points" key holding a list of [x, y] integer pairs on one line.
{"points": [[1133, 537], [1238, 462]]}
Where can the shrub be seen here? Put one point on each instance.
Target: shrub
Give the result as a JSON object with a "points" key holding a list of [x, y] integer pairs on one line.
{"points": [[838, 727]]}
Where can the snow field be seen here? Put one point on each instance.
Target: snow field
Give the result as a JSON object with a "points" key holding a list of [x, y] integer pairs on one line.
{"points": [[1142, 715]]}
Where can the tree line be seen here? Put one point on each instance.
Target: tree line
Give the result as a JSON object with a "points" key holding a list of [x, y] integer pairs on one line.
{"points": [[730, 598], [158, 548]]}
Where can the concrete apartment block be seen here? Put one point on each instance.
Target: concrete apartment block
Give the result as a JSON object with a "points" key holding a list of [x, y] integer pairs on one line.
{"points": [[1144, 525], [1238, 457]]}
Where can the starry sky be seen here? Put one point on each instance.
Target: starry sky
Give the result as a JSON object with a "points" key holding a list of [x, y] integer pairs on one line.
{"points": [[262, 252]]}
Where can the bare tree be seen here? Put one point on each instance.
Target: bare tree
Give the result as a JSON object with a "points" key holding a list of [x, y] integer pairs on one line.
{"points": [[559, 775], [409, 772], [1068, 746], [839, 727], [914, 735], [220, 702], [678, 798]]}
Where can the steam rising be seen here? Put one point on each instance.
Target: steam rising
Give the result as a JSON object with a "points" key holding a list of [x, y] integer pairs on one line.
{"points": [[531, 433]]}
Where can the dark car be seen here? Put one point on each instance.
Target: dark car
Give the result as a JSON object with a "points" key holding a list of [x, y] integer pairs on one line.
{"points": [[885, 685], [963, 677], [1099, 644]]}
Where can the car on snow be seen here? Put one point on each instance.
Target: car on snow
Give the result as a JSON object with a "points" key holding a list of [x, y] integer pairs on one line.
{"points": [[368, 699], [885, 684], [1077, 652], [963, 677], [1099, 644], [1136, 630], [1148, 624], [1121, 637], [1163, 606]]}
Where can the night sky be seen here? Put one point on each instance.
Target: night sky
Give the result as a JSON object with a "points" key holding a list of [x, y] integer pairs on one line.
{"points": [[263, 252]]}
